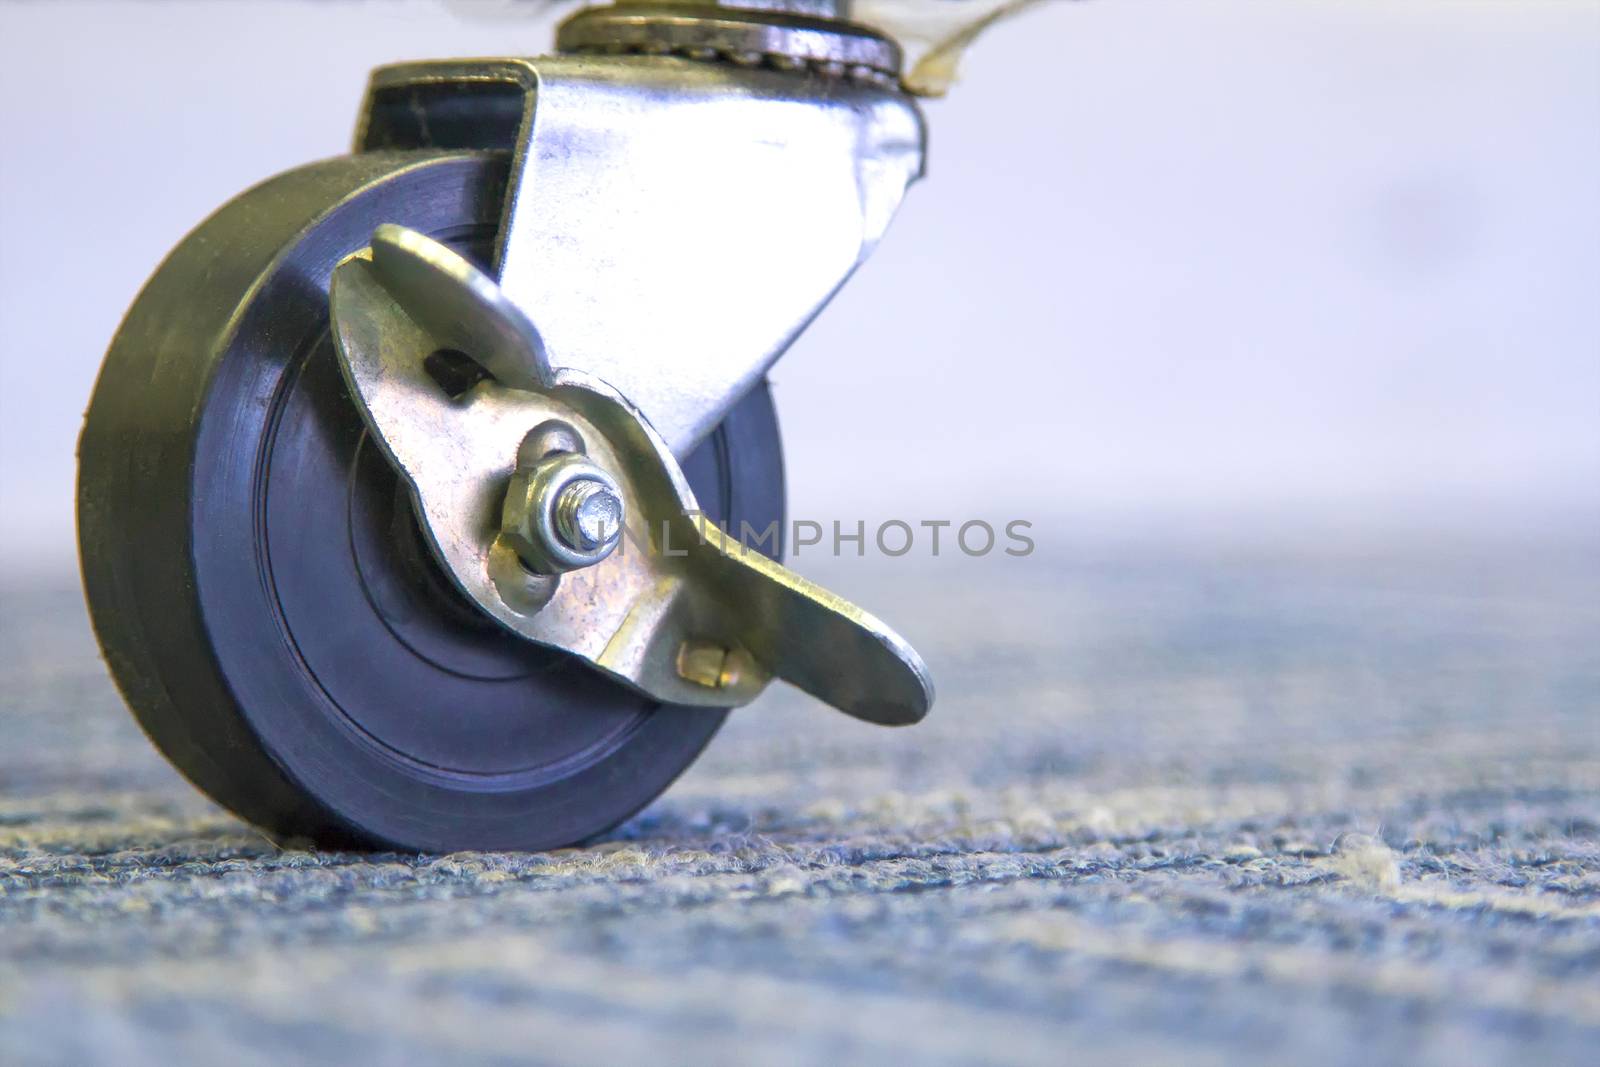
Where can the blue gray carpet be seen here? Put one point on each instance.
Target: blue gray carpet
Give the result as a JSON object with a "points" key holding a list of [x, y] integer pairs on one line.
{"points": [[1169, 809]]}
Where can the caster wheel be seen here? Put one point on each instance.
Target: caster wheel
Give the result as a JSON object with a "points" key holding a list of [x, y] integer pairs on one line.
{"points": [[256, 575]]}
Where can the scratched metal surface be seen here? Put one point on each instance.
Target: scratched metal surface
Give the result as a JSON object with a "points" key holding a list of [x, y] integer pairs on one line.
{"points": [[1180, 807]]}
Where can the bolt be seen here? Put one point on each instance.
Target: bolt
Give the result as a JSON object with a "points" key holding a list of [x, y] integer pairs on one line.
{"points": [[562, 513], [715, 666], [588, 514]]}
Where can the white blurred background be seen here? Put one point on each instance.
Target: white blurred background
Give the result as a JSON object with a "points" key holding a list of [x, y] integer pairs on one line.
{"points": [[1320, 269]]}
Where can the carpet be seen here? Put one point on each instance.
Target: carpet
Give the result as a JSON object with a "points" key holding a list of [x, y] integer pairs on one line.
{"points": [[1171, 807]]}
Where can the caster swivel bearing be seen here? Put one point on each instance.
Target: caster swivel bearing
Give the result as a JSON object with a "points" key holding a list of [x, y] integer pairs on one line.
{"points": [[413, 491]]}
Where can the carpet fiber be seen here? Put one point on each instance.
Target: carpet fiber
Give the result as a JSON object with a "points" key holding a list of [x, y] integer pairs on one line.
{"points": [[1196, 809]]}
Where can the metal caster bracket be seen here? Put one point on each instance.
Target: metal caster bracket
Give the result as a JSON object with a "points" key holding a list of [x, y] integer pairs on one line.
{"points": [[689, 186], [672, 223]]}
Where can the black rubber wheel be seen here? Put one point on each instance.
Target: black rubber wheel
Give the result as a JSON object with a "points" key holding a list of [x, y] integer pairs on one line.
{"points": [[259, 586]]}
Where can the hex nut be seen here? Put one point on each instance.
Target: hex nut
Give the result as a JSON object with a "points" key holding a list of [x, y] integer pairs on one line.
{"points": [[532, 514]]}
